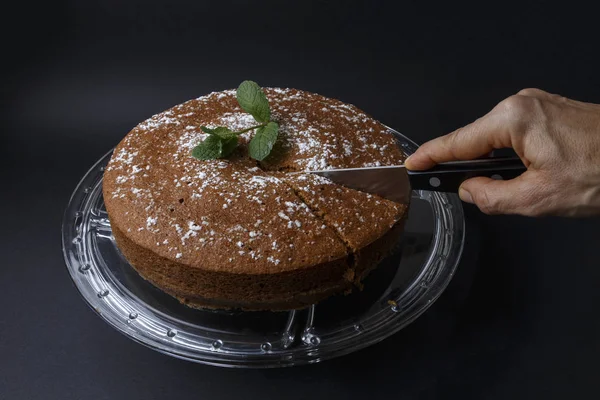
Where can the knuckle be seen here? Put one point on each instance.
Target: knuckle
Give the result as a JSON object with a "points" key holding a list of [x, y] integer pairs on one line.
{"points": [[452, 141], [532, 92], [516, 106], [521, 111], [486, 203]]}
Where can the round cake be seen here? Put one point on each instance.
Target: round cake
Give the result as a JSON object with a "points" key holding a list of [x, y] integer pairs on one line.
{"points": [[238, 233]]}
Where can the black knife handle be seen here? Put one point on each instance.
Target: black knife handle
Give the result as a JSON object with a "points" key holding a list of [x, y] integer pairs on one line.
{"points": [[447, 177]]}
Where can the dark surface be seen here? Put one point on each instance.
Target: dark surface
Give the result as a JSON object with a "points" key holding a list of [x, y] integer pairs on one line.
{"points": [[520, 321]]}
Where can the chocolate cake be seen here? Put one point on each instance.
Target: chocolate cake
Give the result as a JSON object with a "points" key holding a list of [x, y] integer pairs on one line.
{"points": [[237, 233]]}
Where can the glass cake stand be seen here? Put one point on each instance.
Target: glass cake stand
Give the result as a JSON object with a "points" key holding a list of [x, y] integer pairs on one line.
{"points": [[400, 289]]}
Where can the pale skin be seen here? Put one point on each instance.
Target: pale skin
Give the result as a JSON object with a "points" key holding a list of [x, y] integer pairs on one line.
{"points": [[558, 140]]}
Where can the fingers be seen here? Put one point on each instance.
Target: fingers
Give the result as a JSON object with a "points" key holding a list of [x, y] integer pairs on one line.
{"points": [[503, 127], [523, 195], [472, 141]]}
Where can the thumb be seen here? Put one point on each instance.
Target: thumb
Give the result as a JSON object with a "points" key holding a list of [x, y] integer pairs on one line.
{"points": [[522, 195]]}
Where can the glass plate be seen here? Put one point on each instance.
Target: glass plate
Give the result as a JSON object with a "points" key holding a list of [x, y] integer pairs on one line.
{"points": [[402, 287]]}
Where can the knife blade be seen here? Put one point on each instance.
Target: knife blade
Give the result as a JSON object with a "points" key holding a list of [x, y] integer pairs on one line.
{"points": [[396, 182], [390, 182]]}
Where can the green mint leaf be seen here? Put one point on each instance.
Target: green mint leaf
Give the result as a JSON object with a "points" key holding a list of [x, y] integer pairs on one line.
{"points": [[208, 130], [225, 133], [229, 140], [253, 100], [262, 143], [209, 149], [220, 131], [228, 145]]}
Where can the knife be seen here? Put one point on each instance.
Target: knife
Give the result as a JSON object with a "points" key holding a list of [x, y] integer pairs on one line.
{"points": [[396, 182]]}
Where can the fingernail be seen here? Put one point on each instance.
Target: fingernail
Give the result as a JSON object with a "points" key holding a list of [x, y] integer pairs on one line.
{"points": [[465, 196]]}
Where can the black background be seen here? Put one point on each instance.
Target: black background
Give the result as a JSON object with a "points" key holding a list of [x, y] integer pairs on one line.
{"points": [[521, 320]]}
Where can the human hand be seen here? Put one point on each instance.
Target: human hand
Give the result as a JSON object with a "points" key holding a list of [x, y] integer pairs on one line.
{"points": [[558, 140]]}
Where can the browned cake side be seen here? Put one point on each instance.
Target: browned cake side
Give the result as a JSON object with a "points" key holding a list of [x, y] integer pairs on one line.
{"points": [[231, 233], [203, 288]]}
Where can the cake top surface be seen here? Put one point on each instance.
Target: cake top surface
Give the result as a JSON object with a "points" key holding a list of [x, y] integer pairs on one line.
{"points": [[235, 214]]}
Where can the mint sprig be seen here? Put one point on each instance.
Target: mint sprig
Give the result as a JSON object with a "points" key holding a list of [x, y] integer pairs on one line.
{"points": [[222, 141]]}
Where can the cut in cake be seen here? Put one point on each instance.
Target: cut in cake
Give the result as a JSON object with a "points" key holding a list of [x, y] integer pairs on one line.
{"points": [[237, 233]]}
